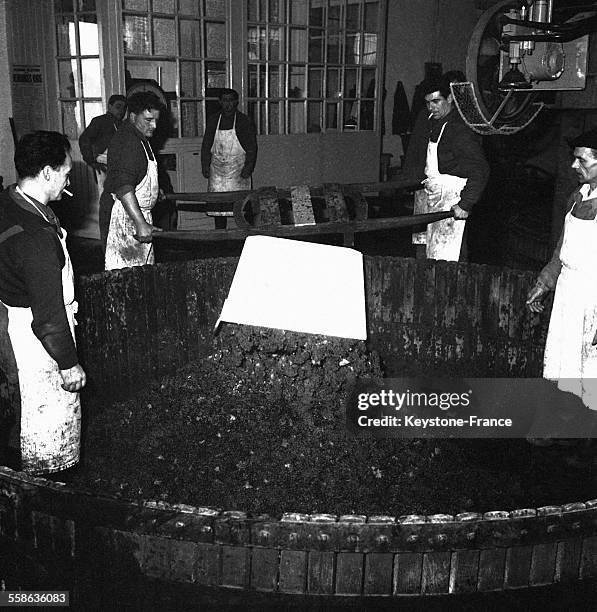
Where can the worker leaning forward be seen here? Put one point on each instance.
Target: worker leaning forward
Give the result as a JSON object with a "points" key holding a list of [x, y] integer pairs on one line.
{"points": [[447, 157], [229, 148], [36, 287], [131, 188]]}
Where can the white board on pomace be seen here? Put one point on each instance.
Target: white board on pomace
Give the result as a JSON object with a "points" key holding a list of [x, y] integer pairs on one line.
{"points": [[298, 286]]}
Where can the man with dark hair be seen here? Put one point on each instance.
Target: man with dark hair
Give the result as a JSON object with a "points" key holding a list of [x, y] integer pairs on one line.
{"points": [[36, 287], [229, 148], [131, 188], [447, 157], [571, 346], [96, 137]]}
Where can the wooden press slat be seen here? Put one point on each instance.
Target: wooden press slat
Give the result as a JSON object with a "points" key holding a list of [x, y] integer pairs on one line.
{"points": [[115, 351], [208, 559], [568, 559], [349, 573], [264, 569], [408, 570], [492, 563], [293, 571], [320, 575], [235, 566], [518, 566], [588, 562], [543, 563], [378, 574], [134, 304], [435, 577], [465, 571]]}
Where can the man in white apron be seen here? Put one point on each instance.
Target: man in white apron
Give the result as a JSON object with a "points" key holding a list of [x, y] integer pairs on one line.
{"points": [[571, 346], [36, 286], [125, 218], [450, 157], [229, 149]]}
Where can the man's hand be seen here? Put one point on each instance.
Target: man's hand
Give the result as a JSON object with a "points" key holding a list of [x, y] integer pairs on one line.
{"points": [[74, 378], [536, 296], [594, 339], [205, 173], [244, 173], [459, 213], [100, 167], [145, 232]]}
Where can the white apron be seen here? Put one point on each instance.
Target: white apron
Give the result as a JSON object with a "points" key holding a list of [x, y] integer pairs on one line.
{"points": [[442, 191], [50, 416], [100, 175], [123, 250], [569, 356], [227, 161]]}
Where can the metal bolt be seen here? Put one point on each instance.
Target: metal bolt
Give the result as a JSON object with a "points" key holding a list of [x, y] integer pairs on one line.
{"points": [[441, 538], [471, 535], [551, 528], [382, 540], [206, 529], [264, 534], [323, 537], [575, 525], [293, 537], [412, 538], [352, 539], [179, 524]]}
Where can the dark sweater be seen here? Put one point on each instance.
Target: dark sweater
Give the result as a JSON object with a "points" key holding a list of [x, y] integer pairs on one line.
{"points": [[97, 136], [127, 162], [459, 153], [31, 262], [245, 132]]}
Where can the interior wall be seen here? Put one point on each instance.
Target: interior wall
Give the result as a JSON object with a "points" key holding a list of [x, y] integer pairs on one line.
{"points": [[6, 143]]}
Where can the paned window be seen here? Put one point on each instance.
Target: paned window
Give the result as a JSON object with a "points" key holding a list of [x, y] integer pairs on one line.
{"points": [[78, 61], [312, 65], [181, 45]]}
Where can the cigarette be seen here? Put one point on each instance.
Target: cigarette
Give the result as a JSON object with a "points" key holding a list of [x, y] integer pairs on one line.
{"points": [[68, 193]]}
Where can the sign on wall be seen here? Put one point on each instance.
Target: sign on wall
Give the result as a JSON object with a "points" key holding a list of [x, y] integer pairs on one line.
{"points": [[28, 98]]}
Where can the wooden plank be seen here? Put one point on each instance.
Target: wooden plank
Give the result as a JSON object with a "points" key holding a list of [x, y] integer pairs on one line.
{"points": [[492, 563], [235, 566], [320, 575], [568, 560], [349, 573], [465, 571], [435, 577], [543, 563], [264, 568], [233, 196], [302, 208], [319, 229], [408, 573], [588, 561], [293, 571], [518, 566], [378, 574]]}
